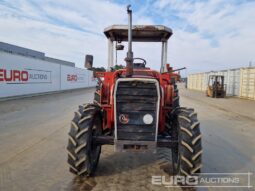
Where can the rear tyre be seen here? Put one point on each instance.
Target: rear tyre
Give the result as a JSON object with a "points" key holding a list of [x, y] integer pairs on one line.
{"points": [[83, 155], [176, 99], [187, 154], [97, 96]]}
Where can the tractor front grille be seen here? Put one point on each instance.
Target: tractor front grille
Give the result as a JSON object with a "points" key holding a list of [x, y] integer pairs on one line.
{"points": [[136, 104]]}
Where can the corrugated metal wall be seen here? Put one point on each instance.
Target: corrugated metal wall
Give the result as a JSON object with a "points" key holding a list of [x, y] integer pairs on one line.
{"points": [[239, 82]]}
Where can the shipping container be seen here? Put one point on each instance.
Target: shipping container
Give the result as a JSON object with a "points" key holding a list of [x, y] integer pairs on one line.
{"points": [[239, 82], [247, 83], [205, 80], [233, 82], [196, 81]]}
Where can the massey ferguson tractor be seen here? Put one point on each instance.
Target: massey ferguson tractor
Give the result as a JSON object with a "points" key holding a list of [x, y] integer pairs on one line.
{"points": [[136, 109]]}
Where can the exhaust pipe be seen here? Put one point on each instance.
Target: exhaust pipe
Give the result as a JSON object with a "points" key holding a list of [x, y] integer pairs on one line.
{"points": [[129, 58]]}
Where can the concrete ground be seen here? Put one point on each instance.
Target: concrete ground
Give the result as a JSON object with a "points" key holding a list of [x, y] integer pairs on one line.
{"points": [[33, 138]]}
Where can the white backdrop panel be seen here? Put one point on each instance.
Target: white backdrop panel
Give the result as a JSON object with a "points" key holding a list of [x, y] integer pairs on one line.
{"points": [[21, 75]]}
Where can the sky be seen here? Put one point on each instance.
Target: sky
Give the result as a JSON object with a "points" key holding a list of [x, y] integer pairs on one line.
{"points": [[207, 34]]}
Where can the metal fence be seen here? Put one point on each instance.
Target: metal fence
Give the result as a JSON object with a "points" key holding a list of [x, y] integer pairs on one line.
{"points": [[239, 82]]}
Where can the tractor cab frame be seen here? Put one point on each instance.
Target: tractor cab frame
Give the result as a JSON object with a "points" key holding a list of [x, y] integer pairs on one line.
{"points": [[140, 33], [162, 80]]}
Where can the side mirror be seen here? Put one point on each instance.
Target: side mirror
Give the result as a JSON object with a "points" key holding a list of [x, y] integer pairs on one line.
{"points": [[88, 61]]}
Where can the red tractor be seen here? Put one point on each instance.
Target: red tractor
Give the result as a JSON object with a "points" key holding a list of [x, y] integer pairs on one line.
{"points": [[135, 109]]}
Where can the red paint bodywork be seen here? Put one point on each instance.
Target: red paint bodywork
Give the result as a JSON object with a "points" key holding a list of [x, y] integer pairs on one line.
{"points": [[108, 85]]}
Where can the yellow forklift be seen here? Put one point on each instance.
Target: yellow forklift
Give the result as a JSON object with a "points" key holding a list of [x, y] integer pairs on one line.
{"points": [[216, 87]]}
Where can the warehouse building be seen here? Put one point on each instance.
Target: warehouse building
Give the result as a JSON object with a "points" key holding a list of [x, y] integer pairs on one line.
{"points": [[239, 82], [25, 72], [13, 49]]}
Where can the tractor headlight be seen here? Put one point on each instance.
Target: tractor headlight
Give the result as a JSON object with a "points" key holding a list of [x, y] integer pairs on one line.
{"points": [[148, 119]]}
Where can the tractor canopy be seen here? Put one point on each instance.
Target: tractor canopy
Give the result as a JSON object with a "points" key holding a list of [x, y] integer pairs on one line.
{"points": [[140, 33]]}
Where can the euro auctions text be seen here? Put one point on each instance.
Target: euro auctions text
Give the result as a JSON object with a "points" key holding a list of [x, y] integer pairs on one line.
{"points": [[229, 180]]}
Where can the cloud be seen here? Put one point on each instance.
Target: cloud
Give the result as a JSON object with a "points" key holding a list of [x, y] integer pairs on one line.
{"points": [[223, 34], [57, 30], [208, 35]]}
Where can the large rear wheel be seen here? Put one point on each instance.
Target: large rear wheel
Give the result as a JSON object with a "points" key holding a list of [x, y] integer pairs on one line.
{"points": [[187, 154], [83, 155], [176, 99]]}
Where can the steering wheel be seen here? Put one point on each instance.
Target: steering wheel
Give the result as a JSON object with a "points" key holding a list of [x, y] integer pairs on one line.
{"points": [[144, 61]]}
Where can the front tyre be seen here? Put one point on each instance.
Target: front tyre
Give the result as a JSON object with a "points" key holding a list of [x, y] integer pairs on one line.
{"points": [[187, 154], [83, 155]]}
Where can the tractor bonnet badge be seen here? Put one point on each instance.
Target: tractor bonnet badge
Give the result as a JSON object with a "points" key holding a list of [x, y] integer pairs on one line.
{"points": [[124, 118]]}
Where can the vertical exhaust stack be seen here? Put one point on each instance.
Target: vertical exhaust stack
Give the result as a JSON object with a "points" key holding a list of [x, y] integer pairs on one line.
{"points": [[129, 58]]}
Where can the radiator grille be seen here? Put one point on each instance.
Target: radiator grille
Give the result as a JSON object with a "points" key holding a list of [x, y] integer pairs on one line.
{"points": [[134, 100]]}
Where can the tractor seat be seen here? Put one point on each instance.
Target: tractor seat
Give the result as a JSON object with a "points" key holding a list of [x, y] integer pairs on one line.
{"points": [[139, 66]]}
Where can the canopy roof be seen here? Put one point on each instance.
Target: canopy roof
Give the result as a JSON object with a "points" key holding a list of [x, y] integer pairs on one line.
{"points": [[140, 33]]}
